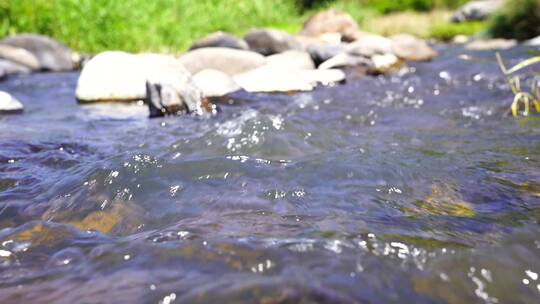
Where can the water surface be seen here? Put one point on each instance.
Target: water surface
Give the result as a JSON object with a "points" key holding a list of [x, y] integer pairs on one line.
{"points": [[413, 188]]}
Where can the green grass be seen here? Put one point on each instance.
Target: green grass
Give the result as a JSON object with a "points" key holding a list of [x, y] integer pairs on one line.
{"points": [[132, 25], [172, 25], [447, 31]]}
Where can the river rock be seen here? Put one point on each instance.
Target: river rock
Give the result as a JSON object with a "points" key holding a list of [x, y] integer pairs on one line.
{"points": [[228, 61], [346, 60], [324, 39], [533, 42], [10, 67], [490, 45], [477, 10], [322, 52], [120, 76], [271, 79], [172, 97], [386, 63], [19, 56], [294, 60], [331, 21], [371, 45], [410, 48], [214, 83], [9, 104], [220, 39], [269, 41], [52, 55]]}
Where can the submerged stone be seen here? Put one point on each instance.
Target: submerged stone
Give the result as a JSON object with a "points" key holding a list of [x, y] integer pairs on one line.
{"points": [[446, 201]]}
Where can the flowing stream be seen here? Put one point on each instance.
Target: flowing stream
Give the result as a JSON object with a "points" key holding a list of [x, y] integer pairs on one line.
{"points": [[413, 188]]}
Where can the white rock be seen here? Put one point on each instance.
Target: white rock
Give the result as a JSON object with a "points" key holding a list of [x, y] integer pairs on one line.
{"points": [[371, 45], [292, 60], [345, 60], [214, 83], [8, 104], [386, 63], [226, 60], [120, 76], [533, 42], [271, 79], [491, 44]]}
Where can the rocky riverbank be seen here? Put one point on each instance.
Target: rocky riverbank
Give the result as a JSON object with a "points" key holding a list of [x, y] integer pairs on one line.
{"points": [[329, 49]]}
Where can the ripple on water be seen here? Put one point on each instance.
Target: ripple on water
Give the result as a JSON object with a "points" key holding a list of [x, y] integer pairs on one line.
{"points": [[414, 186]]}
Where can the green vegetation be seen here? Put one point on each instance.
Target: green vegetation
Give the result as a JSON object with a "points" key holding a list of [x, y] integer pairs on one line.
{"points": [[520, 20], [522, 98], [172, 25], [447, 31], [163, 25]]}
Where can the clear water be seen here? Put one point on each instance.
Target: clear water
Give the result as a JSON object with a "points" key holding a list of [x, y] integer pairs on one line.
{"points": [[407, 189]]}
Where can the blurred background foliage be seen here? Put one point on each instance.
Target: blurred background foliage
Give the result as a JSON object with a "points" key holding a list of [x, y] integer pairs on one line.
{"points": [[519, 20], [172, 25]]}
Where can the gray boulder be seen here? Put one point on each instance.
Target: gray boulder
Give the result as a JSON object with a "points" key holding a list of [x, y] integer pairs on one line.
{"points": [[331, 21], [172, 98], [321, 52], [477, 10], [9, 104], [410, 48], [269, 41], [10, 67], [370, 45], [228, 61], [52, 55], [214, 83], [19, 56], [490, 44], [120, 76], [220, 39]]}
